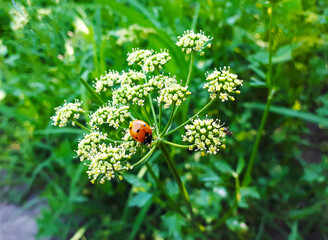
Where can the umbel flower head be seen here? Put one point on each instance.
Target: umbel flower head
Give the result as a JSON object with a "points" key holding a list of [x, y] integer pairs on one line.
{"points": [[162, 81], [106, 81], [148, 59], [173, 94], [136, 94], [207, 135], [222, 83], [68, 111], [132, 33], [112, 115], [131, 77], [106, 161], [191, 41]]}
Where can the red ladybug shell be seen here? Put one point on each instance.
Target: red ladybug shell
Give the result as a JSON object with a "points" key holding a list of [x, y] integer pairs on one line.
{"points": [[140, 131]]}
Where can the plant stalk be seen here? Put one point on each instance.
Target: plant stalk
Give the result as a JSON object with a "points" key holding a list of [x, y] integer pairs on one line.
{"points": [[81, 126], [161, 187], [182, 188], [189, 120], [96, 96], [271, 91]]}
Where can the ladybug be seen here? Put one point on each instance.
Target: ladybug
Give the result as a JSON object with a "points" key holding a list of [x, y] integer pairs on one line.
{"points": [[140, 131]]}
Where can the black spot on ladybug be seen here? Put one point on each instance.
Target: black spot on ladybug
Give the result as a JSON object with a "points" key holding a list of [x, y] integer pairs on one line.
{"points": [[130, 128], [138, 130], [136, 137], [145, 125]]}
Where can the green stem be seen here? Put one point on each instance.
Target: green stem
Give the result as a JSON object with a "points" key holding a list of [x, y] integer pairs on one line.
{"points": [[160, 116], [81, 126], [190, 68], [153, 112], [90, 89], [176, 145], [140, 118], [161, 187], [182, 188], [189, 120], [271, 91], [269, 74], [145, 158], [247, 178], [191, 63], [170, 121]]}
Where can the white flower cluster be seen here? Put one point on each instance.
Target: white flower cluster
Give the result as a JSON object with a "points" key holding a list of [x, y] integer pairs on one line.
{"points": [[156, 61], [148, 60], [106, 81], [132, 33], [222, 83], [112, 115], [173, 94], [136, 94], [191, 41], [108, 164], [68, 111], [207, 135], [138, 56], [106, 161], [131, 77], [90, 145], [162, 81]]}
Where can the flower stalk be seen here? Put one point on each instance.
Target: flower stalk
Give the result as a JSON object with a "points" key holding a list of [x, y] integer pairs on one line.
{"points": [[173, 170]]}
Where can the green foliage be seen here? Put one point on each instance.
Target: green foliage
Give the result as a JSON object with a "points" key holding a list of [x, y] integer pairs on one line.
{"points": [[47, 46]]}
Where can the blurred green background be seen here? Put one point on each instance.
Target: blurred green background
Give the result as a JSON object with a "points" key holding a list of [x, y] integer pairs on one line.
{"points": [[47, 45]]}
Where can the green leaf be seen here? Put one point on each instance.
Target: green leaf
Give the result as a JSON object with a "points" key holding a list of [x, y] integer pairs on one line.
{"points": [[235, 225], [257, 83], [135, 181], [291, 113], [223, 167], [174, 222], [140, 219], [240, 165], [283, 54], [140, 199]]}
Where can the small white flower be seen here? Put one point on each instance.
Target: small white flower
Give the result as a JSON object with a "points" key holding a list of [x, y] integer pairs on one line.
{"points": [[162, 81], [207, 134], [136, 94], [112, 115], [68, 111], [138, 56], [222, 83], [173, 94], [131, 77], [106, 81], [191, 41], [156, 60], [106, 161], [132, 33]]}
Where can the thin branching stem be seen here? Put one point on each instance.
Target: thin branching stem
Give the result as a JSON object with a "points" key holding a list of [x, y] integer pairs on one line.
{"points": [[189, 120], [169, 122], [146, 157], [93, 93], [176, 145], [81, 126]]}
